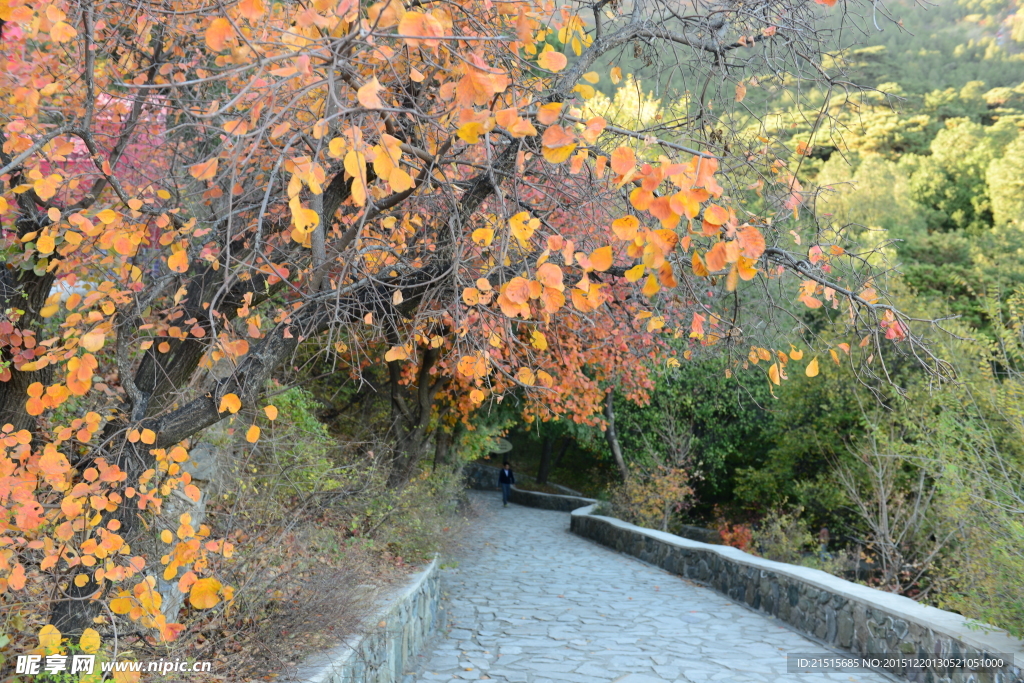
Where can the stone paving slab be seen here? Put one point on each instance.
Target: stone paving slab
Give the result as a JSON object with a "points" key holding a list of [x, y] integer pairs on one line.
{"points": [[530, 602]]}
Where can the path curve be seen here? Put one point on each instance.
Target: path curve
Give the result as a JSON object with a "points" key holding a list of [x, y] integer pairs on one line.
{"points": [[530, 602]]}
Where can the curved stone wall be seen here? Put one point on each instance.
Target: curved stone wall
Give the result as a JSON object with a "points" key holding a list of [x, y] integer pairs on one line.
{"points": [[844, 615], [393, 636], [548, 501]]}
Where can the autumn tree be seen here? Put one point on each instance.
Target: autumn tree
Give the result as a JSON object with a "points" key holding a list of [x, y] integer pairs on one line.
{"points": [[194, 186]]}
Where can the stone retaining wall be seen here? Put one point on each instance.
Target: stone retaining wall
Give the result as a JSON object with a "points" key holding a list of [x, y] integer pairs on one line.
{"points": [[845, 615], [393, 636], [548, 501]]}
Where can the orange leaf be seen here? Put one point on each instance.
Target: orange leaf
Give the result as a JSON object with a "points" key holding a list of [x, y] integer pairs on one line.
{"points": [[773, 373], [178, 261], [517, 290], [418, 29], [601, 259], [550, 275], [230, 403], [218, 33], [271, 412], [751, 241], [623, 161], [699, 269], [204, 170], [715, 259], [716, 215], [252, 435], [552, 60], [548, 113], [367, 94], [251, 9]]}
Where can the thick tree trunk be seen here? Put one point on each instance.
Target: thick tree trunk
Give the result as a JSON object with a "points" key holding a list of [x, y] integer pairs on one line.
{"points": [[545, 461], [613, 438], [566, 442], [442, 447], [411, 411]]}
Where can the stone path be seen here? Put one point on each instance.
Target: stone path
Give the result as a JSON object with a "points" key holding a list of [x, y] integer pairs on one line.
{"points": [[530, 602]]}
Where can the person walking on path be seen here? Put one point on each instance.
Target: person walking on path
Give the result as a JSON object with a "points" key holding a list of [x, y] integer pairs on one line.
{"points": [[505, 480]]}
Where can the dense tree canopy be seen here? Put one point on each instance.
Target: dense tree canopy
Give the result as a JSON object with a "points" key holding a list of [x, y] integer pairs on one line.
{"points": [[193, 190]]}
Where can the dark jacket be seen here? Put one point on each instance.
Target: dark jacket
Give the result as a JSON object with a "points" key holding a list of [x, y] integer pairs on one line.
{"points": [[506, 477]]}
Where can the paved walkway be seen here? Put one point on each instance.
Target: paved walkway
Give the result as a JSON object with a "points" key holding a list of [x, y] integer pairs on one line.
{"points": [[532, 603]]}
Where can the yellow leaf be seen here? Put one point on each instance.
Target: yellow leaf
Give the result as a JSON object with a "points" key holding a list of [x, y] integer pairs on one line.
{"points": [[651, 287], [591, 77], [90, 641], [795, 353], [400, 181], [470, 132], [49, 637], [252, 435], [271, 412], [538, 340], [166, 536], [45, 244], [773, 373], [230, 403], [552, 61], [204, 593], [557, 155], [635, 273], [835, 356], [62, 32], [523, 226], [812, 368], [526, 376], [107, 216], [616, 75], [93, 341], [336, 148], [483, 236]]}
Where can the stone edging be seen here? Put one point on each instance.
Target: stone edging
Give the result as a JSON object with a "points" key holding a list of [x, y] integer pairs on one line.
{"points": [[548, 501], [393, 636], [843, 614]]}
